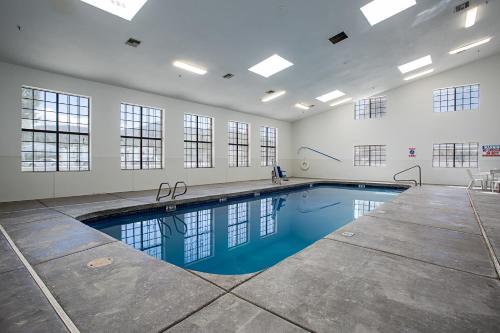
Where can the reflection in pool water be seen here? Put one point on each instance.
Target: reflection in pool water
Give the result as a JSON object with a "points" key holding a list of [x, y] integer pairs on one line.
{"points": [[247, 235]]}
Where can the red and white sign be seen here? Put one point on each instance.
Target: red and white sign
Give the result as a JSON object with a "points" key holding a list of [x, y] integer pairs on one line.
{"points": [[491, 150], [412, 152]]}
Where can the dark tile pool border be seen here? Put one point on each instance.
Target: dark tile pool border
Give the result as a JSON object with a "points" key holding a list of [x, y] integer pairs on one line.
{"points": [[96, 216]]}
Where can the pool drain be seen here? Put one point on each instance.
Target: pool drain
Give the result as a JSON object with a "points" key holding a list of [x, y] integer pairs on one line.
{"points": [[348, 234], [99, 262]]}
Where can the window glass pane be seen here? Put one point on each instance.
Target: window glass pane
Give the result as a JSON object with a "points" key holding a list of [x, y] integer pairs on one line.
{"points": [[268, 138], [456, 98], [198, 141]]}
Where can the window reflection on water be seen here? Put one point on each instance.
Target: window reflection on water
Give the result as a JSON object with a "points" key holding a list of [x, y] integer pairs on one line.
{"points": [[362, 207], [237, 224]]}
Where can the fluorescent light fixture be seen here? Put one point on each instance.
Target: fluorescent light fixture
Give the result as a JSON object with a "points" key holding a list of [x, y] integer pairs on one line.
{"points": [[191, 68], [272, 96], [329, 96], [380, 10], [270, 66], [125, 9], [345, 100], [302, 106], [470, 46], [414, 76], [415, 64], [470, 18]]}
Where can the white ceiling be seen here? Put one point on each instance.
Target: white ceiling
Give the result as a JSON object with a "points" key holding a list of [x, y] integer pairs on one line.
{"points": [[229, 36]]}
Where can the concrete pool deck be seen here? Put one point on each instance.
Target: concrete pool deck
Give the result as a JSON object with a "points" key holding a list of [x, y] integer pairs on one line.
{"points": [[419, 263]]}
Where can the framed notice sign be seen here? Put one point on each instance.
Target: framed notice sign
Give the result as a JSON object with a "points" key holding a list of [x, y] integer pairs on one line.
{"points": [[491, 150]]}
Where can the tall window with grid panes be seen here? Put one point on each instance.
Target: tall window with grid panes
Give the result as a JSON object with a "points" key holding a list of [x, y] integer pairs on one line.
{"points": [[238, 144], [141, 137], [55, 131], [373, 107], [198, 141], [268, 142], [369, 155]]}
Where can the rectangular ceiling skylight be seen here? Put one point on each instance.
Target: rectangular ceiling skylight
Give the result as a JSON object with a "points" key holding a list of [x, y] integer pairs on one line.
{"points": [[380, 10], [125, 9], [415, 64], [470, 18], [329, 96], [190, 68], [270, 66]]}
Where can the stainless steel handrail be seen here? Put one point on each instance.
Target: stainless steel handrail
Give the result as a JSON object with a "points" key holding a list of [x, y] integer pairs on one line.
{"points": [[318, 152], [158, 197], [174, 195], [410, 180]]}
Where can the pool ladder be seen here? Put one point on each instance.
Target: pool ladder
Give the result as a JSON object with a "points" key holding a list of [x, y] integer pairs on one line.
{"points": [[170, 191], [410, 180]]}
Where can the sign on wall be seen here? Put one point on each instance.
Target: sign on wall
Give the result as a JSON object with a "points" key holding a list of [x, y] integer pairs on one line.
{"points": [[412, 152], [491, 151]]}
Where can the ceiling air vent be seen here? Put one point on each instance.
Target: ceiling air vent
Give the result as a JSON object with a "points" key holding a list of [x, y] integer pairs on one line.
{"points": [[228, 76], [338, 38], [133, 42], [462, 6], [270, 92]]}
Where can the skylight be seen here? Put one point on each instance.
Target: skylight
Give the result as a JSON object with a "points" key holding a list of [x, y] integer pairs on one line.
{"points": [[190, 68], [272, 96], [380, 10], [469, 46], [470, 18], [270, 66], [414, 76], [125, 9], [329, 96], [415, 64]]}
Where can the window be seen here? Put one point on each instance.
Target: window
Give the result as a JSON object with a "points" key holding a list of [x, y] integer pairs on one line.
{"points": [[238, 144], [369, 155], [362, 207], [198, 236], [141, 137], [267, 146], [455, 155], [237, 224], [456, 98], [373, 107], [267, 217], [198, 141], [55, 131]]}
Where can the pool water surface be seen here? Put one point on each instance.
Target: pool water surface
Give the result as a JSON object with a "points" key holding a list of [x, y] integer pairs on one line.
{"points": [[244, 235]]}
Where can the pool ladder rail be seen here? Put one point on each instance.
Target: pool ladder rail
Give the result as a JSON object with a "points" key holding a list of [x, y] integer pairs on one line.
{"points": [[419, 183], [170, 191]]}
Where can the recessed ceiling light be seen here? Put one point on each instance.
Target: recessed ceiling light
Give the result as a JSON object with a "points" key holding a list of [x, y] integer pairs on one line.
{"points": [[345, 100], [302, 106], [414, 76], [189, 67], [272, 96], [380, 10], [469, 46], [415, 64], [270, 66], [470, 18], [123, 8], [329, 96]]}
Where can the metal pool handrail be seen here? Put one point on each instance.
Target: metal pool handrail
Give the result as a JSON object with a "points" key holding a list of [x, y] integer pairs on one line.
{"points": [[410, 180], [174, 195], [318, 152], [158, 197]]}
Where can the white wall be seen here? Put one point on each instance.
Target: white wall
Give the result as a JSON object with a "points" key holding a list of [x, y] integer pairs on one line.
{"points": [[409, 122], [105, 175]]}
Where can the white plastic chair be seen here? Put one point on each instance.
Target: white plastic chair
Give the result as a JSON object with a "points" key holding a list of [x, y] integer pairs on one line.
{"points": [[475, 179]]}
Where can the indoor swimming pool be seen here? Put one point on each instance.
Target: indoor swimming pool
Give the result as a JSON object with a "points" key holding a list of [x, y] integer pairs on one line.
{"points": [[248, 234]]}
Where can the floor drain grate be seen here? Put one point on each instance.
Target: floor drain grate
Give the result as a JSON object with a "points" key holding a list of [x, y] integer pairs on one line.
{"points": [[99, 262], [348, 234]]}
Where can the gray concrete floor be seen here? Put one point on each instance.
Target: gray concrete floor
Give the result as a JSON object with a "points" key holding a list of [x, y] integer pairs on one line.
{"points": [[416, 264]]}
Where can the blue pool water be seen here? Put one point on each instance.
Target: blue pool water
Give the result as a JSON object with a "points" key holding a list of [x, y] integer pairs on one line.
{"points": [[244, 235]]}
